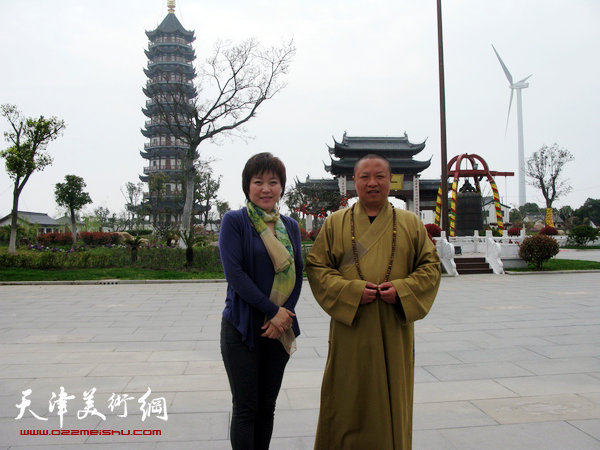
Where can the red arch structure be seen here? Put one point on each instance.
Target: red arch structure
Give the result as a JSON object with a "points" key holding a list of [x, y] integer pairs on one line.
{"points": [[477, 174]]}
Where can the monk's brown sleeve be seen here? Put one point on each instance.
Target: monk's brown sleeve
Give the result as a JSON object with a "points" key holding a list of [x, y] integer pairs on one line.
{"points": [[339, 297], [418, 290]]}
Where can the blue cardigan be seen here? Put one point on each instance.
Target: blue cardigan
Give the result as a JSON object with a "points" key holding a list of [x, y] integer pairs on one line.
{"points": [[250, 273]]}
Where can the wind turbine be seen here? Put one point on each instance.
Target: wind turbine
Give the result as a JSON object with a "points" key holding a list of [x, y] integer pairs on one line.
{"points": [[522, 84]]}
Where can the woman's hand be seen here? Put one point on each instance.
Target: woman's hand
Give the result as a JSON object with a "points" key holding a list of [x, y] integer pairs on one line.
{"points": [[282, 320], [271, 332]]}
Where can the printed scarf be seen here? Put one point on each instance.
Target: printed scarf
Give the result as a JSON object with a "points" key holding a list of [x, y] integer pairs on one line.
{"points": [[281, 252]]}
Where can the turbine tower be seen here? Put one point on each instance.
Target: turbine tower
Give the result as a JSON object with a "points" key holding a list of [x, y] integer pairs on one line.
{"points": [[522, 84]]}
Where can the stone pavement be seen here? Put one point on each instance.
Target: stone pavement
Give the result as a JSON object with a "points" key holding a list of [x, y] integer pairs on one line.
{"points": [[503, 362], [586, 255]]}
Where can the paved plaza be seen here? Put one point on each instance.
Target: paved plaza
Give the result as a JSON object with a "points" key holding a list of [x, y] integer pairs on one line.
{"points": [[503, 362]]}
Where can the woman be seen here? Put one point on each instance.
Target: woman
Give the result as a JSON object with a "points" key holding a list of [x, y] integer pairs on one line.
{"points": [[262, 258]]}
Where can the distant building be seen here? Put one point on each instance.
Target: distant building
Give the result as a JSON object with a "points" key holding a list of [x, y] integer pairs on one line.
{"points": [[43, 222], [65, 223], [489, 211], [170, 79], [539, 220]]}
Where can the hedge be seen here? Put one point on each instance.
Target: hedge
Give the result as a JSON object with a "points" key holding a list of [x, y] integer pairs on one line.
{"points": [[88, 237], [205, 258], [583, 234]]}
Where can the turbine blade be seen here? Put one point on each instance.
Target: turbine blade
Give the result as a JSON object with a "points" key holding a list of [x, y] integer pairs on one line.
{"points": [[506, 72], [525, 79], [509, 105]]}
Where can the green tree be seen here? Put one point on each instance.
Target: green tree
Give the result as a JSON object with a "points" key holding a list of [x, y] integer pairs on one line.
{"points": [[71, 195], [29, 138], [206, 188], [583, 234], [514, 215], [294, 200], [133, 193], [565, 212], [590, 210], [529, 208], [102, 215], [222, 208], [545, 168]]}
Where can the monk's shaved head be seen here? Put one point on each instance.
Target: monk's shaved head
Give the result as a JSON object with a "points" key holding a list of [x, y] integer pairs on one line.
{"points": [[373, 156]]}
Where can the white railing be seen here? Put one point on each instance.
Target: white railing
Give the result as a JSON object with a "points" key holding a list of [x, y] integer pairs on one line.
{"points": [[495, 249], [446, 253], [476, 243]]}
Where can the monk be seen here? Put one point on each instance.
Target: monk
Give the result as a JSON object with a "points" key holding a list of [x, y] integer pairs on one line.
{"points": [[375, 271]]}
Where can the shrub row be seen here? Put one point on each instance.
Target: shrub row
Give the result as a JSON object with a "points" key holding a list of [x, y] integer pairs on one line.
{"points": [[205, 258], [92, 238]]}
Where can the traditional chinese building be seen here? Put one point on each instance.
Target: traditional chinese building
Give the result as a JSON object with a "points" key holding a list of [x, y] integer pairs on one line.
{"points": [[170, 80], [399, 151]]}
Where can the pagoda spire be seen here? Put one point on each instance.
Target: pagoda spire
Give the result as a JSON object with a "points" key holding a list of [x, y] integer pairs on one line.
{"points": [[171, 6]]}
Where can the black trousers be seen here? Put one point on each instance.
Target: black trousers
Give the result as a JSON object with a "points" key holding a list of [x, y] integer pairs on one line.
{"points": [[255, 378]]}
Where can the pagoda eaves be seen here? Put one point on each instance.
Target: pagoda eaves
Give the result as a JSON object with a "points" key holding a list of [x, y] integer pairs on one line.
{"points": [[399, 165], [170, 25], [388, 147]]}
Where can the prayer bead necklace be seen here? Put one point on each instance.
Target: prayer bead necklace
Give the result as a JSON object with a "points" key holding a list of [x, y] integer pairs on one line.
{"points": [[355, 250]]}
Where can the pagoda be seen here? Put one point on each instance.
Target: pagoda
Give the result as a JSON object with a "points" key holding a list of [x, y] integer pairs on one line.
{"points": [[170, 82], [399, 151]]}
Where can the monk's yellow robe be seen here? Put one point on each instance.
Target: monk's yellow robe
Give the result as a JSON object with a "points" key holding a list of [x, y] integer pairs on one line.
{"points": [[367, 390]]}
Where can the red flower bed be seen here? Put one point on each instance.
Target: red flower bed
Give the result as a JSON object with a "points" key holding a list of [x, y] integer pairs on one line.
{"points": [[548, 231], [305, 235], [55, 238], [94, 239], [514, 231], [433, 230]]}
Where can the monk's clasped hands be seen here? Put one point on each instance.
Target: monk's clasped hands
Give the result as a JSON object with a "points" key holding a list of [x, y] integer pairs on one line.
{"points": [[386, 291]]}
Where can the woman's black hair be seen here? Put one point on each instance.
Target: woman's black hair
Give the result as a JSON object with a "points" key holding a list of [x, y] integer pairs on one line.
{"points": [[259, 164]]}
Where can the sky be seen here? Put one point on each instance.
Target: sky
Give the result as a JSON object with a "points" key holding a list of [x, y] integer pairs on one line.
{"points": [[368, 68]]}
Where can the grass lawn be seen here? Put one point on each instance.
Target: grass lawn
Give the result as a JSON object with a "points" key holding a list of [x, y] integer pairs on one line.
{"points": [[564, 264], [18, 274]]}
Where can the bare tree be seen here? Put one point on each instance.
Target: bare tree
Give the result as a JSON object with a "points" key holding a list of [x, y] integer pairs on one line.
{"points": [[29, 138], [545, 168], [234, 82]]}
